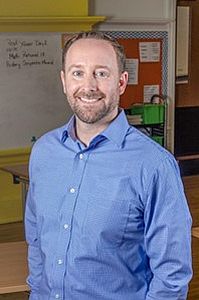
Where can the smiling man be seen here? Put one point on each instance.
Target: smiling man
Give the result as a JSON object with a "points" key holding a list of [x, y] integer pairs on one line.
{"points": [[95, 85], [106, 215]]}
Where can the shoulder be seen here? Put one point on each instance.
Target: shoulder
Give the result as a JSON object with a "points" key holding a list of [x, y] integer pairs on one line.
{"points": [[148, 157], [47, 143], [145, 146]]}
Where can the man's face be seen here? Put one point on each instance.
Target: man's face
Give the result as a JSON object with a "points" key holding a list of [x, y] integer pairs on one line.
{"points": [[92, 82]]}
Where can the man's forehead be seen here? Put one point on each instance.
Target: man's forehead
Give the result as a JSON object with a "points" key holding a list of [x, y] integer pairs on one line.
{"points": [[89, 44], [87, 49], [91, 40]]}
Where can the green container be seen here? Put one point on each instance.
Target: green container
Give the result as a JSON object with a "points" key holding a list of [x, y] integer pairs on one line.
{"points": [[153, 113], [137, 110], [158, 139], [150, 113]]}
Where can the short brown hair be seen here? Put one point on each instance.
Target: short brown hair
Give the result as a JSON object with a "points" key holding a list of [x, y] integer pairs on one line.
{"points": [[119, 50]]}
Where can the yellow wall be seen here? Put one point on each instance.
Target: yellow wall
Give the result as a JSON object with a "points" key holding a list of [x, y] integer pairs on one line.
{"points": [[46, 16], [38, 8]]}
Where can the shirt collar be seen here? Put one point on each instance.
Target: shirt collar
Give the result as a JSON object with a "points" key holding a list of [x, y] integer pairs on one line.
{"points": [[69, 130], [115, 132]]}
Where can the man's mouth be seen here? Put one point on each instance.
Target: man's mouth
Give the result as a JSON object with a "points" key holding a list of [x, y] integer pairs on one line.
{"points": [[90, 97], [89, 100]]}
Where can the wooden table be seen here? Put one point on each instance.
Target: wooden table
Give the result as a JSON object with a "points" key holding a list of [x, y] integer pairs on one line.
{"points": [[20, 175], [195, 232], [13, 270], [19, 172]]}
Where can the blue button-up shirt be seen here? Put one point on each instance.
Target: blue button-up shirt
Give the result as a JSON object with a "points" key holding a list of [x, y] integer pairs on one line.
{"points": [[109, 221]]}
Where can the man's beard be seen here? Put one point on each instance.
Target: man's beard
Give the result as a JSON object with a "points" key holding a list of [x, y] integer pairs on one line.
{"points": [[93, 111]]}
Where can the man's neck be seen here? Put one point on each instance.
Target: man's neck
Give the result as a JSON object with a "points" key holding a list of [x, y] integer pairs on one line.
{"points": [[86, 132]]}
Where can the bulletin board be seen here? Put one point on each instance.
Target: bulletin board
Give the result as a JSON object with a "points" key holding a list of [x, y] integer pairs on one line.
{"points": [[149, 73]]}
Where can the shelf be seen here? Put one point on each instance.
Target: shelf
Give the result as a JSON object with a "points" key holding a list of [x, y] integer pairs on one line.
{"points": [[48, 24], [188, 157]]}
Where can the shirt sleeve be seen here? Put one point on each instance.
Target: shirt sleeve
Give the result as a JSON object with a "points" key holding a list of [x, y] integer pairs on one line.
{"points": [[168, 234], [34, 253]]}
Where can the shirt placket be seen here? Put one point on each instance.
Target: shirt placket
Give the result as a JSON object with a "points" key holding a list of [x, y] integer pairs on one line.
{"points": [[72, 190]]}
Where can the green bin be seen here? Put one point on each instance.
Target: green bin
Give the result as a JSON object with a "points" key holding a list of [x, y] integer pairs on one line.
{"points": [[150, 113], [158, 139], [136, 110], [153, 113]]}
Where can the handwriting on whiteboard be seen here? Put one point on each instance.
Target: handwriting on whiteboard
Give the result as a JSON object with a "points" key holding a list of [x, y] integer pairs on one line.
{"points": [[27, 53]]}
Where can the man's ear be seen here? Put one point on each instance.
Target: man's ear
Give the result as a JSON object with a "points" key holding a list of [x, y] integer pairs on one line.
{"points": [[62, 75], [123, 82]]}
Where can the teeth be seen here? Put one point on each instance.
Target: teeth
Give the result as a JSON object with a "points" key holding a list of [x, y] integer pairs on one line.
{"points": [[88, 100]]}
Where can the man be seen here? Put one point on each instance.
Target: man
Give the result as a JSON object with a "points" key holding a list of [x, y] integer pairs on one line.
{"points": [[106, 215]]}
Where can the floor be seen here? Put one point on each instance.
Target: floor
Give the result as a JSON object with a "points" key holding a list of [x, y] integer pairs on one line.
{"points": [[14, 296], [191, 184], [15, 232], [12, 232]]}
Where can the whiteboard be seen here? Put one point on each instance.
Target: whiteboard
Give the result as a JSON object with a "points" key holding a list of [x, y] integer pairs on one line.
{"points": [[31, 97]]}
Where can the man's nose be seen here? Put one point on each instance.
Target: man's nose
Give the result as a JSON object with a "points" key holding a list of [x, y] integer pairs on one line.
{"points": [[90, 82]]}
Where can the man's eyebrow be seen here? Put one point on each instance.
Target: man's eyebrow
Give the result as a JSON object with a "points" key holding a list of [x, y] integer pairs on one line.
{"points": [[102, 67], [81, 66], [74, 66]]}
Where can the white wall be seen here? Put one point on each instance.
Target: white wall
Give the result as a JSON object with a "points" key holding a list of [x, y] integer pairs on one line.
{"points": [[148, 9]]}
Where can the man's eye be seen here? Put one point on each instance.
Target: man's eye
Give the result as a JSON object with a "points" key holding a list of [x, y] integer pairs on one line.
{"points": [[77, 73], [102, 74]]}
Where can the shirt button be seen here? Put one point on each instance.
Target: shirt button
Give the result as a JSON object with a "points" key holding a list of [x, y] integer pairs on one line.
{"points": [[60, 261], [81, 156], [66, 226], [57, 296], [72, 190]]}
